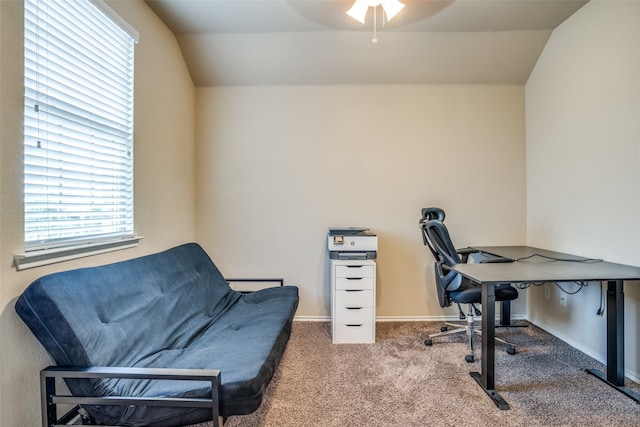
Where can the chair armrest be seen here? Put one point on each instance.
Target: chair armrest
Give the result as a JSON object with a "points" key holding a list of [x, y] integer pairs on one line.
{"points": [[495, 260], [50, 399], [465, 252]]}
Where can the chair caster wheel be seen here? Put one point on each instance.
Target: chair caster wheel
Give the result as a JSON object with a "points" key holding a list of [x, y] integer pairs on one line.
{"points": [[469, 358], [428, 342], [511, 350], [444, 328]]}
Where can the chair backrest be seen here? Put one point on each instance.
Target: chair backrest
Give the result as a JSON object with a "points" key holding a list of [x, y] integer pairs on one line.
{"points": [[439, 240], [429, 214], [445, 253]]}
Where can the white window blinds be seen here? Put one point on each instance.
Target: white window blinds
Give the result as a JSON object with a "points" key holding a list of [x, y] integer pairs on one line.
{"points": [[78, 125]]}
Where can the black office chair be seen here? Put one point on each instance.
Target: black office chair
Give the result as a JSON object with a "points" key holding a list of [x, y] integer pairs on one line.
{"points": [[451, 286]]}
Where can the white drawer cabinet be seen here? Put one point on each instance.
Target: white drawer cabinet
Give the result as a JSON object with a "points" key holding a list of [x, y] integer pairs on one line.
{"points": [[355, 271], [353, 301]]}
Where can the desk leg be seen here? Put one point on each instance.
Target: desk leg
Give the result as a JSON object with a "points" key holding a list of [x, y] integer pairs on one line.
{"points": [[615, 340], [487, 363], [505, 313], [615, 333], [505, 316]]}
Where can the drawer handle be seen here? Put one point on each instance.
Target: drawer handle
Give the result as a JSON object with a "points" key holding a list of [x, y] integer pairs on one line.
{"points": [[354, 290], [353, 325], [354, 308], [354, 266], [354, 278]]}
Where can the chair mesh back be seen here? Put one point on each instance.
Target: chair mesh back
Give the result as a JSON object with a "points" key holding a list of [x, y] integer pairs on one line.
{"points": [[429, 214], [437, 234]]}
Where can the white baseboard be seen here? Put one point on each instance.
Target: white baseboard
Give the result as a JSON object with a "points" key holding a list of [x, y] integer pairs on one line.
{"points": [[633, 376], [312, 318], [434, 318], [399, 318]]}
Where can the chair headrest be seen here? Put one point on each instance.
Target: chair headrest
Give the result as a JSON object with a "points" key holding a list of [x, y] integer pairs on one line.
{"points": [[432, 213]]}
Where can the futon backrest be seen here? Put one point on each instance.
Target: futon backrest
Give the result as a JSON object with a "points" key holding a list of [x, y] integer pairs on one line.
{"points": [[124, 313]]}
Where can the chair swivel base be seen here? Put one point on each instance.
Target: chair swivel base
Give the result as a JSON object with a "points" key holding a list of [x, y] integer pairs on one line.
{"points": [[469, 358]]}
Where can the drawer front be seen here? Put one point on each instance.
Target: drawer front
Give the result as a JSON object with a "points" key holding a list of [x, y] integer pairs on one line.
{"points": [[355, 298], [353, 315], [355, 283], [354, 333], [356, 271]]}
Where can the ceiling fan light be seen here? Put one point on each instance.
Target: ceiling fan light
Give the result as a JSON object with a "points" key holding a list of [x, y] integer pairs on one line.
{"points": [[391, 8], [359, 10]]}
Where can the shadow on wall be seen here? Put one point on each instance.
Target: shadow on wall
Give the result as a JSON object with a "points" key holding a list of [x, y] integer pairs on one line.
{"points": [[22, 360]]}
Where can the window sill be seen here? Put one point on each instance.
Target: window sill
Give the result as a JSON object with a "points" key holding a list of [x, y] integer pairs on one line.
{"points": [[40, 258]]}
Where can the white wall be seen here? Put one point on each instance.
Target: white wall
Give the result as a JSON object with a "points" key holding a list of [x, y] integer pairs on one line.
{"points": [[583, 163], [164, 184], [277, 166]]}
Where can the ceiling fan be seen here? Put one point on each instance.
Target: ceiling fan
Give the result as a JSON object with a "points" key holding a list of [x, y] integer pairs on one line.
{"points": [[360, 8]]}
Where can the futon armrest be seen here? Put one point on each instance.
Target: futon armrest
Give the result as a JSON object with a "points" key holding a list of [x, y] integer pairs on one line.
{"points": [[249, 285], [257, 280], [50, 399]]}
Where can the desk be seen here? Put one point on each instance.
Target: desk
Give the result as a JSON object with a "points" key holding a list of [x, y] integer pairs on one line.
{"points": [[537, 268]]}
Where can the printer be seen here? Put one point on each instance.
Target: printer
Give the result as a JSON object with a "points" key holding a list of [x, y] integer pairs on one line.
{"points": [[352, 243]]}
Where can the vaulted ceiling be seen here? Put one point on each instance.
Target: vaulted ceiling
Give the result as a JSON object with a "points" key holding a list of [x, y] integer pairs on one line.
{"points": [[284, 42]]}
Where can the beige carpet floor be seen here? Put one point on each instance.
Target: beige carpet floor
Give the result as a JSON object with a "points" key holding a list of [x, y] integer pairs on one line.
{"points": [[399, 382]]}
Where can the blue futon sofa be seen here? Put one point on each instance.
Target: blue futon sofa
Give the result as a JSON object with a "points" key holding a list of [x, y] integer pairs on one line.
{"points": [[164, 333]]}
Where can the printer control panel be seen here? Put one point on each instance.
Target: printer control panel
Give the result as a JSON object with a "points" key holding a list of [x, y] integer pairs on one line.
{"points": [[352, 243]]}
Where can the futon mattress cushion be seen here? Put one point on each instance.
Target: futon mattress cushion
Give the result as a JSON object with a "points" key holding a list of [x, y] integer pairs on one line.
{"points": [[171, 310]]}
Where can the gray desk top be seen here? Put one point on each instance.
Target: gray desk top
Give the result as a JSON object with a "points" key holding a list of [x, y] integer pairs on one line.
{"points": [[540, 269]]}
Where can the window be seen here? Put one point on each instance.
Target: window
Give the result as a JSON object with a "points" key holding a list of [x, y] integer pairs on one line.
{"points": [[78, 130]]}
